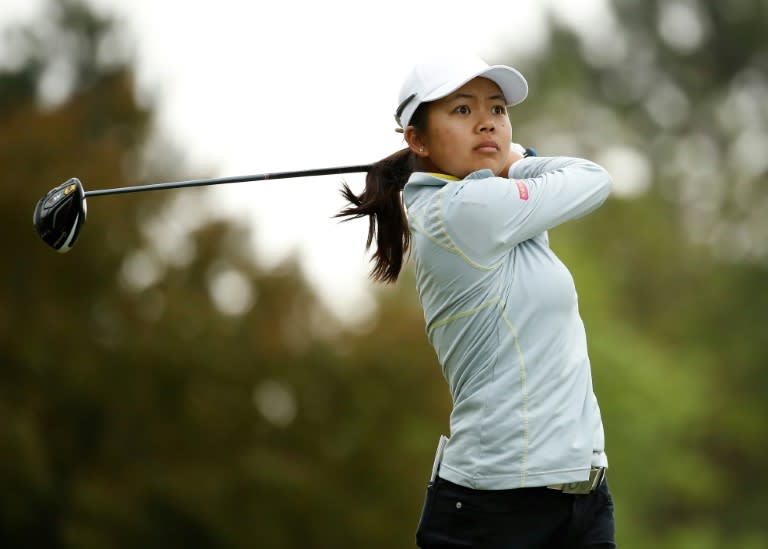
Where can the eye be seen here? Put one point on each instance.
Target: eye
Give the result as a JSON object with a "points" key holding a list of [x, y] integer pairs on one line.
{"points": [[499, 109], [462, 109]]}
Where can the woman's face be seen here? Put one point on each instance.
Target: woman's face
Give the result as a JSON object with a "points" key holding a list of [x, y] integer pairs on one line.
{"points": [[468, 130]]}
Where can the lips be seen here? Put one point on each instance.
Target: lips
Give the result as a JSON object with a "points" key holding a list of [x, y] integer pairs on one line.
{"points": [[487, 146]]}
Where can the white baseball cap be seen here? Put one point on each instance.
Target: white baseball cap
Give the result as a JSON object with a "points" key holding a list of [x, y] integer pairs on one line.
{"points": [[441, 76]]}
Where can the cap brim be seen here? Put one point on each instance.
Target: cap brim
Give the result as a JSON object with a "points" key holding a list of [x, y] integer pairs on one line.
{"points": [[513, 85]]}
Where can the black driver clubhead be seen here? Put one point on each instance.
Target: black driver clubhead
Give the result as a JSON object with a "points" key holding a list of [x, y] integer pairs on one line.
{"points": [[60, 214]]}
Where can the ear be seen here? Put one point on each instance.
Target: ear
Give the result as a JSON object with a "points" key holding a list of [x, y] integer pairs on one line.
{"points": [[416, 142]]}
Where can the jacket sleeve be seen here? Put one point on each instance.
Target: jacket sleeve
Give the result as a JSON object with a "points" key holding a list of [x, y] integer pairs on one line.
{"points": [[488, 216]]}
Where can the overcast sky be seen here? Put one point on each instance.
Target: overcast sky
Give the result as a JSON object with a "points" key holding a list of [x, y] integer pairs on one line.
{"points": [[247, 87]]}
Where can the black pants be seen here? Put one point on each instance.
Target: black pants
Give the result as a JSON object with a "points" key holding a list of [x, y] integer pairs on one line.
{"points": [[528, 518]]}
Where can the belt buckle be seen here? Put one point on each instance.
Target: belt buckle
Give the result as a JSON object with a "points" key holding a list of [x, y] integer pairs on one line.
{"points": [[596, 475]]}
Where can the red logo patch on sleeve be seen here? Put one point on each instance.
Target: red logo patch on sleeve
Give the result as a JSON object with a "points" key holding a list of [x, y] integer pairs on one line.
{"points": [[522, 189]]}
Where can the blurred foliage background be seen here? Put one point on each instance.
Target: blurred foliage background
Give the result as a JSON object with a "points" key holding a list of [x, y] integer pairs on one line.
{"points": [[192, 398]]}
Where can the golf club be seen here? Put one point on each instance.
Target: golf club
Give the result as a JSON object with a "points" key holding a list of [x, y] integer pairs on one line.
{"points": [[60, 214]]}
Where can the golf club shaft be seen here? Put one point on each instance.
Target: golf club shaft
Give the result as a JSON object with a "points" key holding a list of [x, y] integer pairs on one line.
{"points": [[224, 180]]}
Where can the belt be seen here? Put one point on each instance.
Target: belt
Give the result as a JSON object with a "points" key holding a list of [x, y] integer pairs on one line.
{"points": [[596, 476]]}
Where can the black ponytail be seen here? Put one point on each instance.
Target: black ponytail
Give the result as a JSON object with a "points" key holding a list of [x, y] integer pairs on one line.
{"points": [[387, 222], [381, 202]]}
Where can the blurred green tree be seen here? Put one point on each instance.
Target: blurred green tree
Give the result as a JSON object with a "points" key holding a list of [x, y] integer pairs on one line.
{"points": [[670, 96], [181, 395], [182, 398]]}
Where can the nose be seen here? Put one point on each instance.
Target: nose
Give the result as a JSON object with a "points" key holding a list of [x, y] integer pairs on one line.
{"points": [[487, 125]]}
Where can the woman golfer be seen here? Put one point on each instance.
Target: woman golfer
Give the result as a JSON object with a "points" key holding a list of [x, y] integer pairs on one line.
{"points": [[524, 467]]}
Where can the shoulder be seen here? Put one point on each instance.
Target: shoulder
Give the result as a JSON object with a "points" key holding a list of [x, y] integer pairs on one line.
{"points": [[482, 187], [420, 181]]}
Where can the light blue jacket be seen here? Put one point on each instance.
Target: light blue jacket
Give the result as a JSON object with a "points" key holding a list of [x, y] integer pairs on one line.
{"points": [[501, 312]]}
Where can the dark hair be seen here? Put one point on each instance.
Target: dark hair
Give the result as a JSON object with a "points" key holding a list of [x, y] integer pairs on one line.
{"points": [[381, 202]]}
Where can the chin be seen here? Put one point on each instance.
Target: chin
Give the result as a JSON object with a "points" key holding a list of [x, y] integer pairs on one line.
{"points": [[495, 168], [461, 174]]}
